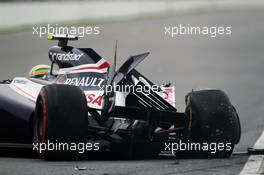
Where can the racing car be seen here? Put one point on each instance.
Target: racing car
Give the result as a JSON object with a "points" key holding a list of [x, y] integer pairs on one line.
{"points": [[84, 99]]}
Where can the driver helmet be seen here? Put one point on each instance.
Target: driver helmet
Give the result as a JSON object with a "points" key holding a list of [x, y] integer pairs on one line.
{"points": [[39, 71]]}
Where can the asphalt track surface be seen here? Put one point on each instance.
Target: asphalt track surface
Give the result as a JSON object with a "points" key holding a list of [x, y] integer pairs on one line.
{"points": [[231, 63]]}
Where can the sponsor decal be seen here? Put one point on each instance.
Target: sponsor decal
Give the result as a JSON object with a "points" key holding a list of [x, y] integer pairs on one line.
{"points": [[168, 94], [85, 81], [94, 99], [65, 56]]}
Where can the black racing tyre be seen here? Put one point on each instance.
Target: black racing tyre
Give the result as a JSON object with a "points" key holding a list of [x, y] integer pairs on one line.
{"points": [[61, 116], [214, 123]]}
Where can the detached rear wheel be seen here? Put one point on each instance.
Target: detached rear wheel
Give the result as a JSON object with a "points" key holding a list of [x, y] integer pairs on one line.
{"points": [[61, 116], [214, 124]]}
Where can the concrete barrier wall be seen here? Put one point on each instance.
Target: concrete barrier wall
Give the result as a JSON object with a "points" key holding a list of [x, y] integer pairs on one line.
{"points": [[25, 14]]}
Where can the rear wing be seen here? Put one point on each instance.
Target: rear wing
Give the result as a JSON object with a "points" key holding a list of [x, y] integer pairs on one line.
{"points": [[63, 39]]}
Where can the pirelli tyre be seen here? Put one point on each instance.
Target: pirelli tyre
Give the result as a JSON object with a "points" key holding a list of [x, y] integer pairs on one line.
{"points": [[60, 118], [214, 124]]}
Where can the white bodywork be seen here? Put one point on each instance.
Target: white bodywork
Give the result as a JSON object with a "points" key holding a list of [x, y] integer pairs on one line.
{"points": [[30, 89]]}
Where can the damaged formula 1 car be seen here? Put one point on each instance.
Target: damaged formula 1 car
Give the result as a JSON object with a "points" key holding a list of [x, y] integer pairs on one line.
{"points": [[83, 99]]}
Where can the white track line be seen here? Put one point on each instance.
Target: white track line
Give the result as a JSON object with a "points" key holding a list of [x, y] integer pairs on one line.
{"points": [[254, 163]]}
